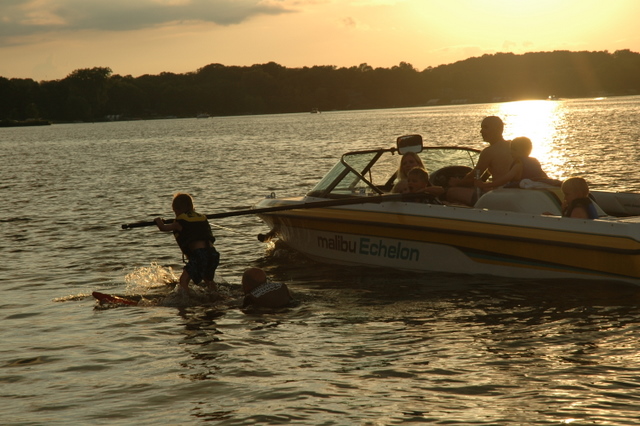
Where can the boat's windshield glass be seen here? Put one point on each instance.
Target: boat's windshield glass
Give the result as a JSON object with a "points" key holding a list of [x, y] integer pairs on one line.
{"points": [[437, 158], [329, 179], [345, 177], [369, 172]]}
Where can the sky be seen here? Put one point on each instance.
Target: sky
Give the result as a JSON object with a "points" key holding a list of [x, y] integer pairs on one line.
{"points": [[48, 39]]}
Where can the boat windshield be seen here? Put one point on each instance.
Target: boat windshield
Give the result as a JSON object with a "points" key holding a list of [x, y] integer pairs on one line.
{"points": [[438, 158], [363, 173]]}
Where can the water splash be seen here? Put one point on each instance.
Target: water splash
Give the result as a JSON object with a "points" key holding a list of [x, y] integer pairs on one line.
{"points": [[279, 249], [71, 297], [145, 278]]}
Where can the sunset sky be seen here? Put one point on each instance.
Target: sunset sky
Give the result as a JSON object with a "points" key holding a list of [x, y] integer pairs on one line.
{"points": [[48, 39]]}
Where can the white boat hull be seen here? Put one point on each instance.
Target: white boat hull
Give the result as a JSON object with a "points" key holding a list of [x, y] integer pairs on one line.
{"points": [[421, 237]]}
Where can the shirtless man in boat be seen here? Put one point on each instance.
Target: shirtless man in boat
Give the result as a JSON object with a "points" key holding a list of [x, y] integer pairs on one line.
{"points": [[496, 158]]}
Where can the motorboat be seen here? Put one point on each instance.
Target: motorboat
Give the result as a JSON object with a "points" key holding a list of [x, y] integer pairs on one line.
{"points": [[351, 217]]}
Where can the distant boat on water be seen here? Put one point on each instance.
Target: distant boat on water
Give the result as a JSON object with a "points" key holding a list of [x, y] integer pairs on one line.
{"points": [[202, 116], [315, 111], [552, 98]]}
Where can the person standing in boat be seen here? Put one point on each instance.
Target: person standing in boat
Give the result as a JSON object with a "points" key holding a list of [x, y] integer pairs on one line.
{"points": [[577, 203], [407, 162], [260, 292], [193, 235], [496, 159], [523, 167]]}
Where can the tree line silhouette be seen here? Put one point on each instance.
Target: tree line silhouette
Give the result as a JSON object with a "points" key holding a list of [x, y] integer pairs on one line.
{"points": [[96, 94]]}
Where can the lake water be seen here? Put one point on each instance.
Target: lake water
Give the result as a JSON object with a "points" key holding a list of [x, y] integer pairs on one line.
{"points": [[361, 347]]}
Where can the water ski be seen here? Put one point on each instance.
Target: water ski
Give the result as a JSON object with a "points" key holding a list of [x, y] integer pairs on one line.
{"points": [[196, 296], [104, 298]]}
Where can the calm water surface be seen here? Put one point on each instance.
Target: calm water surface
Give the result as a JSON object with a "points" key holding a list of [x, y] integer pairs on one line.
{"points": [[361, 347]]}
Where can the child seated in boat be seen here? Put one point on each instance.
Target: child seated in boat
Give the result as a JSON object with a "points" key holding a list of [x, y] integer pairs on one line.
{"points": [[401, 187], [418, 181], [260, 292], [523, 167], [193, 235], [577, 203], [408, 161]]}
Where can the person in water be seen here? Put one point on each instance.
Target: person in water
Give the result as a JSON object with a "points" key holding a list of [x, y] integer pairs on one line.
{"points": [[496, 159], [523, 167], [193, 235], [408, 161], [577, 203], [260, 292]]}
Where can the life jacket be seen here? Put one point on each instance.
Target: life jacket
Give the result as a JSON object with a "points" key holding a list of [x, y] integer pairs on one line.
{"points": [[195, 227], [585, 203], [268, 295]]}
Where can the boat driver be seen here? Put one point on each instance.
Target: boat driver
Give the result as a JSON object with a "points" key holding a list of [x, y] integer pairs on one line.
{"points": [[496, 159]]}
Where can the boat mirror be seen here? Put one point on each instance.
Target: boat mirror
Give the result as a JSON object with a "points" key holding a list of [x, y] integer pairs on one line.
{"points": [[409, 143]]}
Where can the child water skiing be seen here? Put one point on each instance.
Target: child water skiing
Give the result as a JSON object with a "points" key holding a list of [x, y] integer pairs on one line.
{"points": [[193, 235]]}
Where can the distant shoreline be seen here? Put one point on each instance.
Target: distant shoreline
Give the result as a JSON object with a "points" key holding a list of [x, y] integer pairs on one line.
{"points": [[23, 123]]}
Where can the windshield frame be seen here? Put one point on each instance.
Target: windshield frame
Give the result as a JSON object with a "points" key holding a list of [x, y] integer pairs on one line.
{"points": [[352, 175]]}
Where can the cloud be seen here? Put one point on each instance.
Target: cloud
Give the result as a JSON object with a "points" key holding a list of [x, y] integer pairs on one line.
{"points": [[23, 18]]}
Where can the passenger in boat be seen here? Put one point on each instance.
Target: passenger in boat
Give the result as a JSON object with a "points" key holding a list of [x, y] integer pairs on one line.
{"points": [[193, 235], [496, 159], [260, 292], [577, 203], [407, 162], [418, 181], [523, 167], [401, 187]]}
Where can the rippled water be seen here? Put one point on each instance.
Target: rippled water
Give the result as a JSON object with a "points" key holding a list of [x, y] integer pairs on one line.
{"points": [[360, 347]]}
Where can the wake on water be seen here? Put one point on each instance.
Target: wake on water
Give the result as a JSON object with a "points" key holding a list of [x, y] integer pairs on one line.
{"points": [[158, 286], [155, 285]]}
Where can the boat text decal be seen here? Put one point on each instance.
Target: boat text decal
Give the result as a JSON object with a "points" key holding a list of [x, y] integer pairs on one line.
{"points": [[368, 247]]}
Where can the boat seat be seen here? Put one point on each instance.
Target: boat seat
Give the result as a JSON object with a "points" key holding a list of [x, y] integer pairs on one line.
{"points": [[534, 201], [618, 203]]}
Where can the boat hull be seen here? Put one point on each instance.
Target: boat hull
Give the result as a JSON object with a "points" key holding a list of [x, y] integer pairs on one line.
{"points": [[424, 237]]}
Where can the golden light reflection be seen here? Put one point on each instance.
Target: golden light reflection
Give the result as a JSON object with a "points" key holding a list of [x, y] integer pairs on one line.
{"points": [[542, 121]]}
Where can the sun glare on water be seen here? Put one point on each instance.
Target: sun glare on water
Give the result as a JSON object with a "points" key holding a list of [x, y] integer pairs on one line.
{"points": [[540, 121]]}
